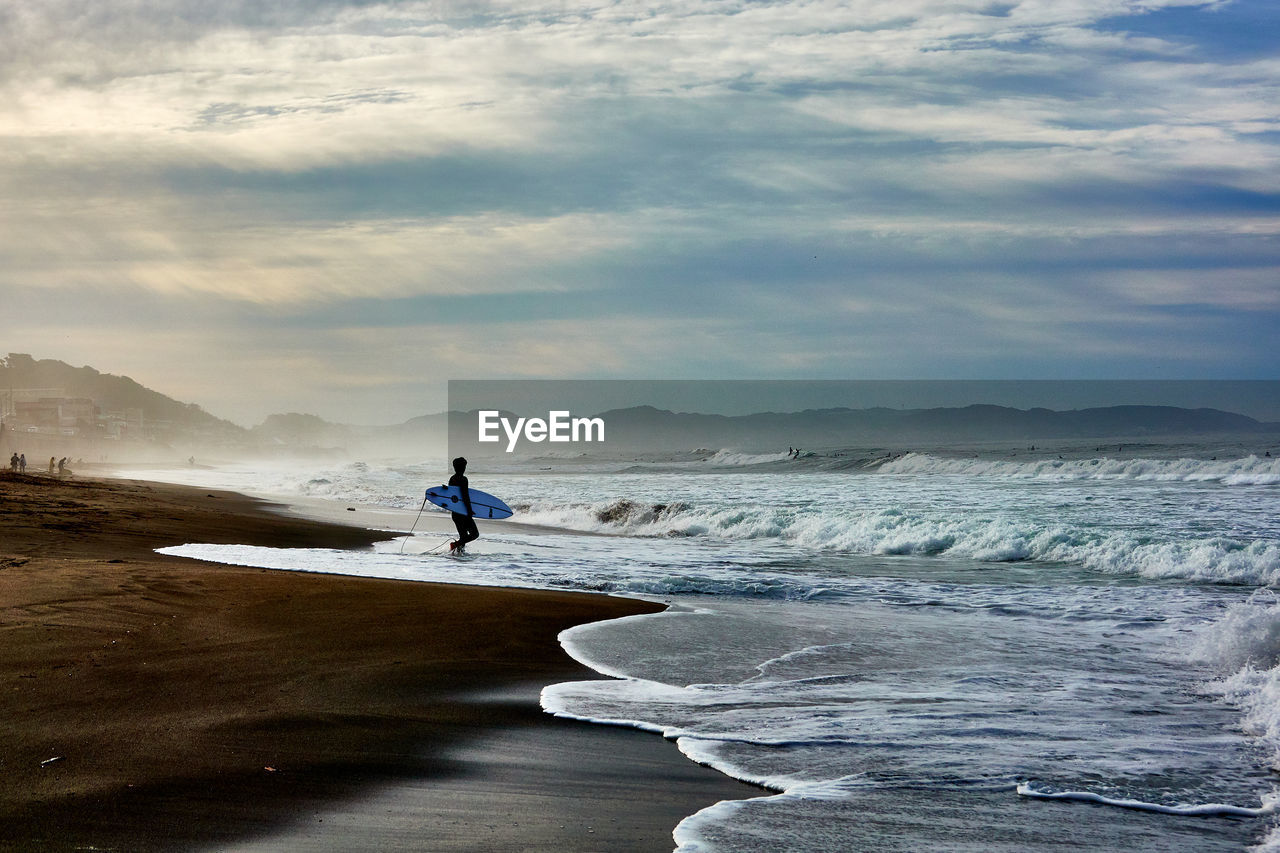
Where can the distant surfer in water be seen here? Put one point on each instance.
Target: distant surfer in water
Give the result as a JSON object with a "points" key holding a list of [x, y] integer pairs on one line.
{"points": [[466, 524]]}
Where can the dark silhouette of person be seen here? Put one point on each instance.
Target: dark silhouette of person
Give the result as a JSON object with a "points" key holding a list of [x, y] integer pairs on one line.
{"points": [[466, 524]]}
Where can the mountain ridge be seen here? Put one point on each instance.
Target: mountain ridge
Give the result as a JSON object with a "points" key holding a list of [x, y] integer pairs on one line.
{"points": [[176, 424]]}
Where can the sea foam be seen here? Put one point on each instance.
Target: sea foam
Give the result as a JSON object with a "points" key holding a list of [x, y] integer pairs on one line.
{"points": [[1269, 802], [1246, 471], [1244, 644], [739, 459], [894, 531]]}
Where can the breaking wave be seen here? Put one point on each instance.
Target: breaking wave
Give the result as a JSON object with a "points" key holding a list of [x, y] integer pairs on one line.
{"points": [[899, 532], [740, 459], [1244, 645], [1246, 471]]}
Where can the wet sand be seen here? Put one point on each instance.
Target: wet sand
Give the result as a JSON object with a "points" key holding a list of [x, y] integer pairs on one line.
{"points": [[157, 703]]}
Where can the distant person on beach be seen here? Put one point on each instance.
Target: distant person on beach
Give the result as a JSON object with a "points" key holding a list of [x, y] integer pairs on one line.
{"points": [[466, 524], [13, 463], [62, 465], [22, 463], [53, 463]]}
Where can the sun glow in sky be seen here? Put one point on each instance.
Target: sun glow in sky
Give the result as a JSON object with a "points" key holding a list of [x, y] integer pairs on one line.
{"points": [[333, 206]]}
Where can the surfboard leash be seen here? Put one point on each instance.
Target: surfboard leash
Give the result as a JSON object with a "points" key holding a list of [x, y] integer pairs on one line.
{"points": [[415, 524], [436, 550]]}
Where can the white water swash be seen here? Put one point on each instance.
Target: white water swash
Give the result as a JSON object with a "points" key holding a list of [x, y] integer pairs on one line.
{"points": [[908, 655]]}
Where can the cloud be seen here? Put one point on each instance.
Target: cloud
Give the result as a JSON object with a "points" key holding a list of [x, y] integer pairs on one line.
{"points": [[730, 187]]}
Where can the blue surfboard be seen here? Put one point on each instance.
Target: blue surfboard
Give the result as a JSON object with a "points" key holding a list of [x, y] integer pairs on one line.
{"points": [[483, 504]]}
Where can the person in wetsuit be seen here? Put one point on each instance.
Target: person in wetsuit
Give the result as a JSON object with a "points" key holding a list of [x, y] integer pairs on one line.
{"points": [[466, 524]]}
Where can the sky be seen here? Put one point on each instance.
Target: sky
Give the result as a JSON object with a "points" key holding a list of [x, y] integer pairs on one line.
{"points": [[334, 206]]}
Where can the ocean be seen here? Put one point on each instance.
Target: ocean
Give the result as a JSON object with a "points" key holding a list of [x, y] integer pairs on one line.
{"points": [[995, 648]]}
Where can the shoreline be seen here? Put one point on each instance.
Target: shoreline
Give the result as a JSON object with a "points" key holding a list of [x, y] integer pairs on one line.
{"points": [[158, 703]]}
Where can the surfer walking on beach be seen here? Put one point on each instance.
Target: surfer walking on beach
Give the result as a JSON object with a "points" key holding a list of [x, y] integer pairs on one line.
{"points": [[466, 524], [473, 503]]}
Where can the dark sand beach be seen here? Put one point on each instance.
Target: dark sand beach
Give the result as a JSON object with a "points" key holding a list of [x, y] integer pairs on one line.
{"points": [[156, 703]]}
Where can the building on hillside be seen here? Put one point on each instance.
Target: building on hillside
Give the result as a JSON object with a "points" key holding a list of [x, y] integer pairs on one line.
{"points": [[11, 398], [53, 415], [121, 424]]}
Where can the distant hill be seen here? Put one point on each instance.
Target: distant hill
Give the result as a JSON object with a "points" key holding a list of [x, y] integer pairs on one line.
{"points": [[645, 428], [648, 427], [169, 428], [295, 428], [187, 428], [111, 393], [419, 438]]}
